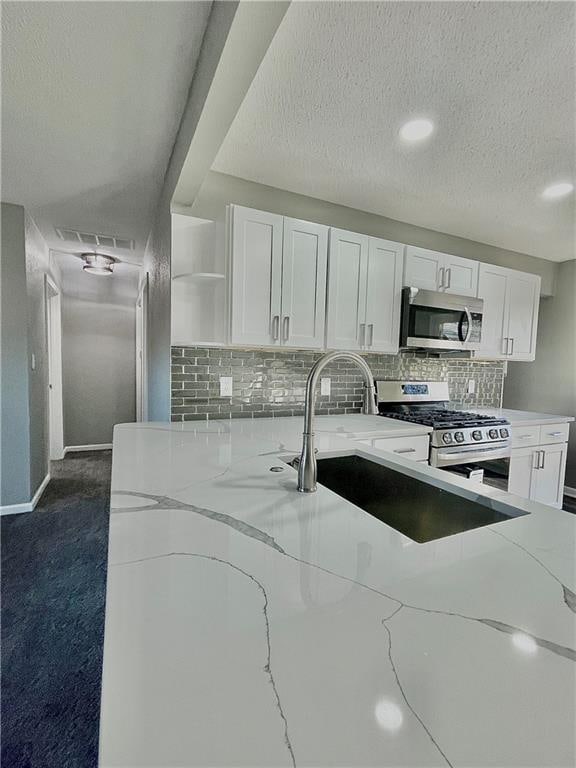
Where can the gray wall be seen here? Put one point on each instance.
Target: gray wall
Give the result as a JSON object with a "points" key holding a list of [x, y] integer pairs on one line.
{"points": [[549, 383], [98, 368], [220, 189], [14, 409], [37, 262]]}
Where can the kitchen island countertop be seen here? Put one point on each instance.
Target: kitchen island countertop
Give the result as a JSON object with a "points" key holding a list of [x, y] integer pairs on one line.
{"points": [[248, 624]]}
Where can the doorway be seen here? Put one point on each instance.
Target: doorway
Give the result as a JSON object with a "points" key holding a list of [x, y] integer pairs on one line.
{"points": [[54, 339]]}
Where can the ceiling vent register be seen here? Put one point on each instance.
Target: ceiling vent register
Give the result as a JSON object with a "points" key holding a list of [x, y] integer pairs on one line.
{"points": [[89, 238]]}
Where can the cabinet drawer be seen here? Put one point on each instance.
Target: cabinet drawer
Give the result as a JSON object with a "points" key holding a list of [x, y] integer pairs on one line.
{"points": [[522, 437], [553, 433], [415, 448]]}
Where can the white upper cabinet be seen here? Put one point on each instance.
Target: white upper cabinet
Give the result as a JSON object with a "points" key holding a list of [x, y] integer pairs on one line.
{"points": [[256, 270], [304, 265], [278, 268], [460, 276], [364, 292], [492, 288], [435, 271], [347, 269], [510, 319], [423, 268], [383, 295], [523, 304]]}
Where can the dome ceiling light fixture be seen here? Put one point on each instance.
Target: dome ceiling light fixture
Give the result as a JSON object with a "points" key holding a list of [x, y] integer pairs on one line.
{"points": [[98, 263]]}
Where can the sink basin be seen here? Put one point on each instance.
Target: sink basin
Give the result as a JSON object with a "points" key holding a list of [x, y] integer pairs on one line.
{"points": [[418, 510]]}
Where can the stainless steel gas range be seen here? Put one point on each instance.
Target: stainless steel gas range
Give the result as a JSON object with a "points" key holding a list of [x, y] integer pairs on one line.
{"points": [[458, 437]]}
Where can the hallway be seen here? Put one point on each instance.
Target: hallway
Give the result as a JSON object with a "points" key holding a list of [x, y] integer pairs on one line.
{"points": [[53, 589]]}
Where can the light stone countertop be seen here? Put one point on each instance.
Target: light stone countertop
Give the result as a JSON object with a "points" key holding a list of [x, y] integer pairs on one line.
{"points": [[519, 418], [248, 624]]}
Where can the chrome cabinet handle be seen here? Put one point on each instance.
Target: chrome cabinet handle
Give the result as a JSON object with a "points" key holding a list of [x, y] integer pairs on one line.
{"points": [[537, 457], [508, 347], [275, 327], [362, 333], [543, 459], [448, 278], [512, 345], [524, 437], [505, 345], [441, 276], [404, 450], [371, 329], [555, 434], [286, 327]]}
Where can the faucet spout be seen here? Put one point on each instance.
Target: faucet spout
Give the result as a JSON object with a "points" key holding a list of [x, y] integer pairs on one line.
{"points": [[307, 468]]}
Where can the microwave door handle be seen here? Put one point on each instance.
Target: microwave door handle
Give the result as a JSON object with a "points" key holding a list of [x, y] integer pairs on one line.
{"points": [[465, 315]]}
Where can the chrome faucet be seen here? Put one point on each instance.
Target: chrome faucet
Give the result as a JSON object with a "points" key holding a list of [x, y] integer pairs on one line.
{"points": [[307, 469]]}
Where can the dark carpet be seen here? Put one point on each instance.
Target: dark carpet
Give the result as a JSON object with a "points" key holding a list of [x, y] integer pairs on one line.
{"points": [[53, 594]]}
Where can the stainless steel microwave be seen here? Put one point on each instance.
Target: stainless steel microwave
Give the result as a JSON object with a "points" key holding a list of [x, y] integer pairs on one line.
{"points": [[434, 320]]}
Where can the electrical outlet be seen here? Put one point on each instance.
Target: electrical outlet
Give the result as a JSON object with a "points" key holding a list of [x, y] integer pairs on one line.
{"points": [[225, 386], [325, 386], [471, 386]]}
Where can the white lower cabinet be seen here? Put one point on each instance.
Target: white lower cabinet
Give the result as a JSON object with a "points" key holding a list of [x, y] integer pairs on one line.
{"points": [[537, 471], [415, 448], [364, 292]]}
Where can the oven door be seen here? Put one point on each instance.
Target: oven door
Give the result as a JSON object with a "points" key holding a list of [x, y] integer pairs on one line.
{"points": [[432, 320]]}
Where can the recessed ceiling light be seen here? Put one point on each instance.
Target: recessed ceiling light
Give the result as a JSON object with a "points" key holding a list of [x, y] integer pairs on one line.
{"points": [[561, 189], [98, 264], [416, 130]]}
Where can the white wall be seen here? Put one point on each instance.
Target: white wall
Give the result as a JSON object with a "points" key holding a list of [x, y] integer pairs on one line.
{"points": [[549, 383], [99, 368]]}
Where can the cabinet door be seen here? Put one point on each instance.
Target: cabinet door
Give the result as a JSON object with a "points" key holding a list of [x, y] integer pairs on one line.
{"points": [[548, 480], [521, 470], [492, 288], [383, 295], [523, 301], [256, 268], [347, 268], [460, 276], [423, 269], [304, 265]]}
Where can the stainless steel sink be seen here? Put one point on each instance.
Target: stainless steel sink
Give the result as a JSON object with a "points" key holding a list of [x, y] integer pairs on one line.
{"points": [[418, 510]]}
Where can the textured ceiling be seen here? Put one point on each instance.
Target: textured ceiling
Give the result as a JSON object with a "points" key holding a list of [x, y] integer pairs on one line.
{"points": [[323, 112], [92, 95]]}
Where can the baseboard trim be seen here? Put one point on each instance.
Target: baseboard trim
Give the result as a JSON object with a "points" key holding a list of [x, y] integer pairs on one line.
{"points": [[95, 447], [570, 492], [27, 506]]}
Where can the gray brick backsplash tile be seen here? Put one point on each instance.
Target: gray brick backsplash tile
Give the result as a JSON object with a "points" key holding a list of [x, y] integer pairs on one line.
{"points": [[272, 382]]}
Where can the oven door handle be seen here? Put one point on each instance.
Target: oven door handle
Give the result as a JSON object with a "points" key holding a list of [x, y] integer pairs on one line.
{"points": [[441, 458], [468, 315]]}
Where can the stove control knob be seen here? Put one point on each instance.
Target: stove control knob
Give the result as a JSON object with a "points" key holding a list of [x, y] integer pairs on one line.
{"points": [[493, 434], [477, 435], [459, 437], [447, 438], [504, 433]]}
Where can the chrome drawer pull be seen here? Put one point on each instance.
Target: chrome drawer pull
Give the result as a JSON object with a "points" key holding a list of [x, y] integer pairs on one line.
{"points": [[525, 437], [555, 434], [404, 450]]}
